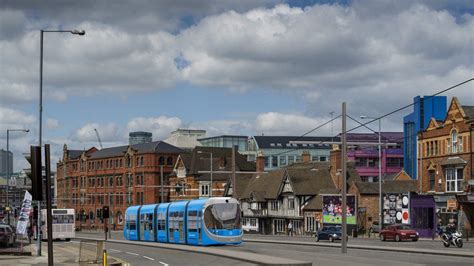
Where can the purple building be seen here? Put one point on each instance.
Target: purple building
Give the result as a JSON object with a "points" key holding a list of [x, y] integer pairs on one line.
{"points": [[423, 214], [366, 156]]}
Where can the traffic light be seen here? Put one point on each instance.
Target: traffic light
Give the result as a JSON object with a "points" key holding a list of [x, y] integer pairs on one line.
{"points": [[35, 172], [105, 212]]}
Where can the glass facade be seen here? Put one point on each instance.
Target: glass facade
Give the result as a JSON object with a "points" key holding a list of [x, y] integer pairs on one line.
{"points": [[226, 142]]}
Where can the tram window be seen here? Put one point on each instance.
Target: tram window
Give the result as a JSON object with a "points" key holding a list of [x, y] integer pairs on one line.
{"points": [[222, 216], [131, 225], [192, 213]]}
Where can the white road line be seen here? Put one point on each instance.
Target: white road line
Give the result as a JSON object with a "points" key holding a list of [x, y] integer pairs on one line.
{"points": [[74, 241], [131, 253], [148, 258], [163, 263], [115, 250]]}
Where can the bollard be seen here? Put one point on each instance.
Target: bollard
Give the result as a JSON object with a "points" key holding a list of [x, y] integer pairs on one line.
{"points": [[104, 257]]}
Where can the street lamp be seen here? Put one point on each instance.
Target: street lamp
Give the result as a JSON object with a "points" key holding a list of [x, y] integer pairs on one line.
{"points": [[380, 169], [8, 165], [202, 152], [76, 32]]}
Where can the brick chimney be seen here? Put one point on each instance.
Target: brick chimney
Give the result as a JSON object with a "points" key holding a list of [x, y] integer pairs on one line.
{"points": [[260, 164], [336, 165], [306, 156]]}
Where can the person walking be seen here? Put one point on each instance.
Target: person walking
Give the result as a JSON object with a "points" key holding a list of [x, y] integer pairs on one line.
{"points": [[290, 228]]}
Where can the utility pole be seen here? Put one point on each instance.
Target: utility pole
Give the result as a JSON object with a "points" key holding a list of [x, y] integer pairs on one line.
{"points": [[344, 181], [162, 197], [49, 217], [234, 186]]}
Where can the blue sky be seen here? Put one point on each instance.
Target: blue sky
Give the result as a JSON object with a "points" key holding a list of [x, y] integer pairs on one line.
{"points": [[229, 67]]}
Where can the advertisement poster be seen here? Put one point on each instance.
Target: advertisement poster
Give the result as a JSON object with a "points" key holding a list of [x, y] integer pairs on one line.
{"points": [[332, 209], [24, 214], [396, 208]]}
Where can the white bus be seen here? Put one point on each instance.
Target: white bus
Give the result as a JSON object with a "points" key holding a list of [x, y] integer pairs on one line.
{"points": [[63, 224]]}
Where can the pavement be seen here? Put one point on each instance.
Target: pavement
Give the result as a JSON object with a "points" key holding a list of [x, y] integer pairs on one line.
{"points": [[63, 253]]}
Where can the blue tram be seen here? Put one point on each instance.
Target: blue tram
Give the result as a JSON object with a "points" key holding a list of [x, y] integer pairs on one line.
{"points": [[213, 221]]}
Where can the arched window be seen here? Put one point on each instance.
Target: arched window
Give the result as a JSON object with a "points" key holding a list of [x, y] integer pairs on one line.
{"points": [[141, 161], [169, 161], [454, 139], [161, 160]]}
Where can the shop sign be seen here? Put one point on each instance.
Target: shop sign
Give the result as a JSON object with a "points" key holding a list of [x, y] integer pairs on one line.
{"points": [[452, 204]]}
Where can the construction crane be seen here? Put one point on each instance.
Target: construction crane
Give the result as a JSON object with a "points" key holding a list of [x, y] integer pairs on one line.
{"points": [[98, 137]]}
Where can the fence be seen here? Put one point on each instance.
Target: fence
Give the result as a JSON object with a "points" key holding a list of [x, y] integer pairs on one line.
{"points": [[90, 251]]}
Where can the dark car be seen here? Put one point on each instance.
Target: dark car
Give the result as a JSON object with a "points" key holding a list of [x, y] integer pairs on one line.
{"points": [[399, 232], [330, 233], [7, 235]]}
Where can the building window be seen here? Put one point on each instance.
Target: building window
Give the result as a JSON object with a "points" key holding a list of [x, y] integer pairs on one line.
{"points": [[282, 160], [460, 144], [432, 179], [454, 138], [280, 225], [291, 159], [161, 160], [274, 205], [204, 189], [169, 161], [267, 161], [454, 178], [291, 203]]}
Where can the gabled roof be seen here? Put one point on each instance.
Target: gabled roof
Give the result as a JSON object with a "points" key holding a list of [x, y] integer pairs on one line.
{"points": [[280, 142], [307, 179], [150, 147], [397, 186]]}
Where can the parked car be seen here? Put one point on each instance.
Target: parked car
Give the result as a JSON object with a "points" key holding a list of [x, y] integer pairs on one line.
{"points": [[7, 235], [374, 228], [399, 232], [330, 233]]}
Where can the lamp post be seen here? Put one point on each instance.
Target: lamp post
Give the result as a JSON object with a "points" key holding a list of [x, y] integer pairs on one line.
{"points": [[210, 189], [380, 170], [8, 166], [76, 32]]}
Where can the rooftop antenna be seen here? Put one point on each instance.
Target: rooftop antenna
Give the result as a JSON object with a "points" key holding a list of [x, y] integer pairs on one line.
{"points": [[98, 137]]}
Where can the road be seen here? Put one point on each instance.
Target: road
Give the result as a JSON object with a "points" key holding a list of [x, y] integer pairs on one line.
{"points": [[316, 255], [140, 255]]}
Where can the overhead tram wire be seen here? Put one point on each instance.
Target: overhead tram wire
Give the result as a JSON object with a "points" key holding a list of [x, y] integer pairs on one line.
{"points": [[409, 105], [300, 137]]}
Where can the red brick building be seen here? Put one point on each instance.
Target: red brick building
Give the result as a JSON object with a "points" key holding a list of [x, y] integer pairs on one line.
{"points": [[116, 177], [445, 161]]}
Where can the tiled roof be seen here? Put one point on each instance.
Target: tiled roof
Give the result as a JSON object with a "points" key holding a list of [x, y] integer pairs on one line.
{"points": [[150, 147], [316, 203], [74, 154], [469, 111], [398, 186], [268, 182], [280, 142], [396, 137]]}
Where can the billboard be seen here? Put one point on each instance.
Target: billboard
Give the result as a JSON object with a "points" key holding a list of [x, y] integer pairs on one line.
{"points": [[396, 208], [24, 214], [332, 209]]}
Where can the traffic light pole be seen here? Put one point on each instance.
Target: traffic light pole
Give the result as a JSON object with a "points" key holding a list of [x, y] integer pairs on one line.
{"points": [[49, 218]]}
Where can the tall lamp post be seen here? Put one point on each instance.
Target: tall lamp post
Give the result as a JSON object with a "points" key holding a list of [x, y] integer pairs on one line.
{"points": [[380, 169], [8, 166], [210, 189], [76, 32]]}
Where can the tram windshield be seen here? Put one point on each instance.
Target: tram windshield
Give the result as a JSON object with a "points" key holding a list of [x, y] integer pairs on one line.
{"points": [[222, 216]]}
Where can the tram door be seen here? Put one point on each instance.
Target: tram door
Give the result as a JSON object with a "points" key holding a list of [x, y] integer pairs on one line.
{"points": [[181, 227], [148, 234], [199, 227], [192, 227], [171, 226], [143, 226]]}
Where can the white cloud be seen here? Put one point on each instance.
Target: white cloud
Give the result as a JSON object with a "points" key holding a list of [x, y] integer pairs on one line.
{"points": [[160, 126], [108, 132], [274, 123], [52, 123], [14, 119]]}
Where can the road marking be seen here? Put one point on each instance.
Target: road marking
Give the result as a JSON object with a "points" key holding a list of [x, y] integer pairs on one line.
{"points": [[148, 258], [115, 250], [74, 241], [163, 263], [131, 253]]}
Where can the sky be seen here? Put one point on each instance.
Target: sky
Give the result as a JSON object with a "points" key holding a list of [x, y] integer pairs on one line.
{"points": [[228, 67]]}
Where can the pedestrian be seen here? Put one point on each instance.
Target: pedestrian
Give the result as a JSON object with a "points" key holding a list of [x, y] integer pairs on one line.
{"points": [[30, 233], [290, 228]]}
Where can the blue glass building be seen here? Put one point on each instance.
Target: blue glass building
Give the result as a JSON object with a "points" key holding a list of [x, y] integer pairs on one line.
{"points": [[423, 110]]}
